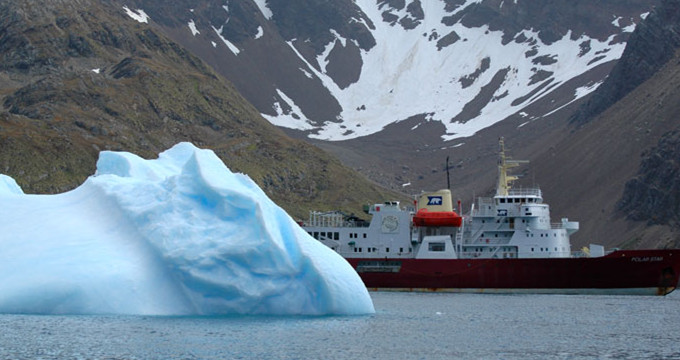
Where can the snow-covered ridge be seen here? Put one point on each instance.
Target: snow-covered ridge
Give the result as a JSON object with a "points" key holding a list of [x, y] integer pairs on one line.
{"points": [[410, 73], [425, 63], [413, 76], [177, 235]]}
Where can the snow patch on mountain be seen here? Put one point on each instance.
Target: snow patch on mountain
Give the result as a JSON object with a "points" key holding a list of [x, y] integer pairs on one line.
{"points": [[410, 73], [138, 15], [288, 113], [264, 9], [229, 44], [192, 27]]}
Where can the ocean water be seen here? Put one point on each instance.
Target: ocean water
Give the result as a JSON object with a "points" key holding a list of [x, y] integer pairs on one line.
{"points": [[405, 326]]}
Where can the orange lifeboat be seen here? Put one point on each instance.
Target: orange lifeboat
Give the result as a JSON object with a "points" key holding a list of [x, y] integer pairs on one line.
{"points": [[437, 218]]}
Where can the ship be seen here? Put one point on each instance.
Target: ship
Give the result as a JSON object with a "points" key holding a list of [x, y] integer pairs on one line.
{"points": [[504, 244]]}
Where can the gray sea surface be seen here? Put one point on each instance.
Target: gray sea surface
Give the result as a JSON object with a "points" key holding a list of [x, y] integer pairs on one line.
{"points": [[405, 326]]}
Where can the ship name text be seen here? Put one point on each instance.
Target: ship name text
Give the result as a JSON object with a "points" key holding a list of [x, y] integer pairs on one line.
{"points": [[646, 258]]}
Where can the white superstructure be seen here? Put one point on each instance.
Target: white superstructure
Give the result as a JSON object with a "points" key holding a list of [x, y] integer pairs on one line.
{"points": [[515, 223]]}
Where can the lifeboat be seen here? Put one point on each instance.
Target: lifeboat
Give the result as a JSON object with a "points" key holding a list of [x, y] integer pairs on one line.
{"points": [[436, 209], [425, 217]]}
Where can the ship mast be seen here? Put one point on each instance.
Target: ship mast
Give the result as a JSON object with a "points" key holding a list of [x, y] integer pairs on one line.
{"points": [[504, 163]]}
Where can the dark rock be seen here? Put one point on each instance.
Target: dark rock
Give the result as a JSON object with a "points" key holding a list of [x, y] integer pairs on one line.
{"points": [[653, 195], [447, 40], [128, 68], [651, 45], [79, 46], [312, 19]]}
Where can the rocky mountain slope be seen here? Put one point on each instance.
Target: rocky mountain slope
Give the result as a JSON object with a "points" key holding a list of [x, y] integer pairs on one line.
{"points": [[617, 172], [78, 77], [650, 47]]}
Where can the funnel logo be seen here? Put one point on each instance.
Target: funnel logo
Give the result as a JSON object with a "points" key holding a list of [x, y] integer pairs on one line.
{"points": [[434, 200]]}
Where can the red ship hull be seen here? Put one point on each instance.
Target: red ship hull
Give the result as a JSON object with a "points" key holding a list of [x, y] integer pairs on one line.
{"points": [[645, 272]]}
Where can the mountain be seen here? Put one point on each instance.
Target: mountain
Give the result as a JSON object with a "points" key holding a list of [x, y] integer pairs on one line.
{"points": [[394, 88], [78, 77], [391, 87], [617, 171], [345, 69]]}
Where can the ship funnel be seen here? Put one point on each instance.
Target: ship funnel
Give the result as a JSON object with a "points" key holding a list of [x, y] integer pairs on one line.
{"points": [[436, 201]]}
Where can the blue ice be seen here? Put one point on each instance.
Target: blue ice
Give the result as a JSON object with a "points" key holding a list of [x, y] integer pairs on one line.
{"points": [[177, 235]]}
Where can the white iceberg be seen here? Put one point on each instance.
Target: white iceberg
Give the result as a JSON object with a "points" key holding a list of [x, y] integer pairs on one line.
{"points": [[178, 235]]}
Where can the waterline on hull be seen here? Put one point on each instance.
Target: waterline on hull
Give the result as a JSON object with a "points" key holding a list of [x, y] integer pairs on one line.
{"points": [[645, 291]]}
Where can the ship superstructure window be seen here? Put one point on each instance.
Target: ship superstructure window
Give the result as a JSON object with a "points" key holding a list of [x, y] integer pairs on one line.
{"points": [[436, 246]]}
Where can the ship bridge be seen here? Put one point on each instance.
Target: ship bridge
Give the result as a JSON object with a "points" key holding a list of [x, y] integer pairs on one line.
{"points": [[515, 222], [522, 195]]}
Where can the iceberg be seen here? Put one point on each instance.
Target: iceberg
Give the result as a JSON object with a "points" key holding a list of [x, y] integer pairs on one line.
{"points": [[177, 235]]}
